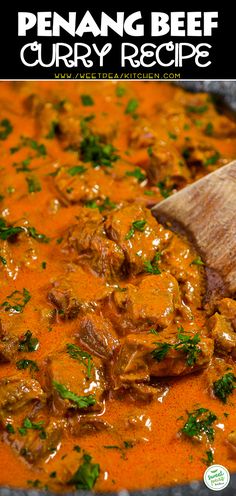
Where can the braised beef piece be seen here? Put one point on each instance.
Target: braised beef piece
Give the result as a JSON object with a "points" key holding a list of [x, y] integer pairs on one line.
{"points": [[137, 233], [8, 344], [82, 183], [152, 302], [223, 333], [77, 292], [16, 392], [137, 360], [89, 241], [227, 307], [120, 245], [87, 424], [36, 443], [181, 260], [74, 382], [96, 334], [167, 161]]}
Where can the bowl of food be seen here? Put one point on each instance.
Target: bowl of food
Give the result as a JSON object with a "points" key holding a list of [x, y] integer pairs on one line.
{"points": [[116, 373]]}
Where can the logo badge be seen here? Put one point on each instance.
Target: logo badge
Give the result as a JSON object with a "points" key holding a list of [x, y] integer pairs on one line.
{"points": [[216, 477]]}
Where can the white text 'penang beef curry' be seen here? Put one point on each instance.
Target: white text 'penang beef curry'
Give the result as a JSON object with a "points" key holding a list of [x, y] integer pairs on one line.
{"points": [[113, 372]]}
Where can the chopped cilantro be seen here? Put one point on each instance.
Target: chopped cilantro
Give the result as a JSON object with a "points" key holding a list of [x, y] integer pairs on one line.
{"points": [[224, 386], [80, 401], [137, 173], [172, 136], [151, 267], [94, 151], [8, 231], [16, 301], [34, 185], [137, 225], [86, 475], [132, 106], [120, 91], [212, 160], [200, 422], [197, 261], [76, 170], [86, 100], [28, 343], [209, 460], [209, 129], [24, 363], [52, 132], [82, 356], [185, 344], [5, 129], [3, 260], [41, 238], [197, 109]]}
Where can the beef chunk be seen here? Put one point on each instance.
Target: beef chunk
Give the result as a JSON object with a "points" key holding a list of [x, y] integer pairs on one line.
{"points": [[87, 185], [69, 381], [223, 334], [177, 258], [16, 392], [151, 303], [139, 245], [8, 344], [227, 307], [88, 239], [37, 444], [96, 334], [88, 424], [76, 292], [100, 187], [166, 161], [129, 237], [135, 362]]}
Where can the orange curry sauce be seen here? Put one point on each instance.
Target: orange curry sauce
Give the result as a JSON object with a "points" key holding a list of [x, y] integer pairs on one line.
{"points": [[97, 299]]}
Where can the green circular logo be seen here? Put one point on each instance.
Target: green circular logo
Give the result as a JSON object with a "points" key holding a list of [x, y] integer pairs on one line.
{"points": [[216, 477]]}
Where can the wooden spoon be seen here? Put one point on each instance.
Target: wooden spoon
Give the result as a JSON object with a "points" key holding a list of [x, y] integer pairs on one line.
{"points": [[206, 212]]}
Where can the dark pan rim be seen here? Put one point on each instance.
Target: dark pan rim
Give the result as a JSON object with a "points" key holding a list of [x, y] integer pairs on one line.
{"points": [[226, 90]]}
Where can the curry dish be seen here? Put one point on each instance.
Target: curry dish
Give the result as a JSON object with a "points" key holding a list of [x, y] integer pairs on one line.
{"points": [[114, 371]]}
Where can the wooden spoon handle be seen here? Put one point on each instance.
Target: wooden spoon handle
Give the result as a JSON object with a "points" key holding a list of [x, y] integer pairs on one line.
{"points": [[207, 211]]}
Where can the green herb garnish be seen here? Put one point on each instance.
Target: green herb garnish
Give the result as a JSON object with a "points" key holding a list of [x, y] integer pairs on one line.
{"points": [[28, 342], [212, 160], [29, 425], [209, 129], [41, 238], [197, 109], [120, 91], [86, 100], [76, 170], [34, 185], [137, 225], [185, 344], [137, 173], [94, 151], [82, 356], [86, 475], [151, 267], [5, 129], [200, 422], [24, 363], [8, 231], [132, 105], [80, 401], [224, 386], [16, 301], [197, 261], [209, 460]]}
